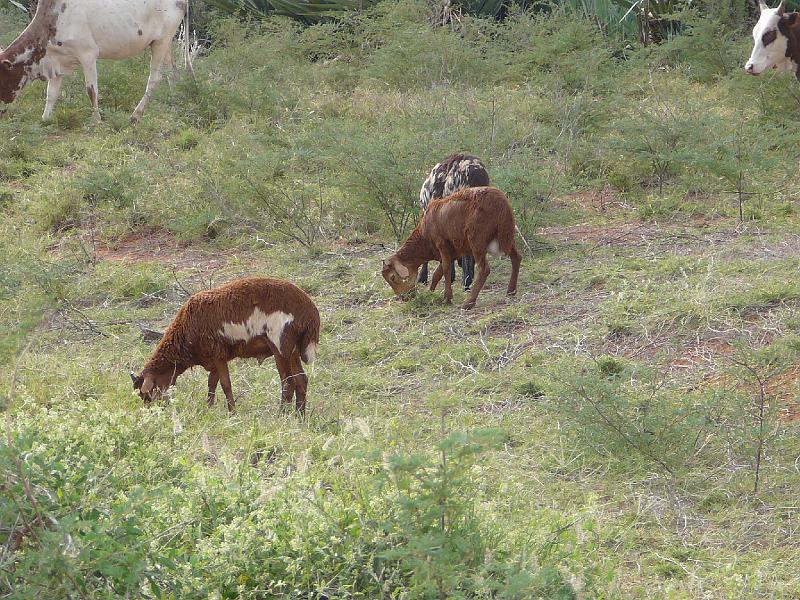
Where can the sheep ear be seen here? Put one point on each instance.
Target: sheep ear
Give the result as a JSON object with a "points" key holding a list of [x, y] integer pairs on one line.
{"points": [[401, 269], [147, 384], [781, 8], [137, 380], [762, 5]]}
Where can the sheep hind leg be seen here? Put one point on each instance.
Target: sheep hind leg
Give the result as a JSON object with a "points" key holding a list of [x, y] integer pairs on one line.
{"points": [[300, 380], [423, 274], [468, 271], [516, 259], [480, 259], [213, 380], [287, 385]]}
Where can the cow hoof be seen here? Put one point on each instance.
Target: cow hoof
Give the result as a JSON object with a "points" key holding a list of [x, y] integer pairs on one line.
{"points": [[511, 293], [467, 305], [134, 120]]}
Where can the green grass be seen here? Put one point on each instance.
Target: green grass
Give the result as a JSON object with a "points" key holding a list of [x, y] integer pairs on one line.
{"points": [[599, 431]]}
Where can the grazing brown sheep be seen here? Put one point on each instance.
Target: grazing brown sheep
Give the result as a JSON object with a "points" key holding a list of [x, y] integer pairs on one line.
{"points": [[471, 221], [456, 172], [255, 317]]}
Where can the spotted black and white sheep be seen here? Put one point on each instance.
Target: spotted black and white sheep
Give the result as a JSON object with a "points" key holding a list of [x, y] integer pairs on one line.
{"points": [[454, 173]]}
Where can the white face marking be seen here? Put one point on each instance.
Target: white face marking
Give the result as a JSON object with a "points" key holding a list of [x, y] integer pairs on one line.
{"points": [[773, 54], [310, 353], [258, 324], [494, 248]]}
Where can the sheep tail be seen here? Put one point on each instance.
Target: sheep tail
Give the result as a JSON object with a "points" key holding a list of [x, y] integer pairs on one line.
{"points": [[309, 340], [505, 231]]}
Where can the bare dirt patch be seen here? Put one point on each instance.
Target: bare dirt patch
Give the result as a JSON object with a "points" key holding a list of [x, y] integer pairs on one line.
{"points": [[786, 389], [595, 201], [144, 246]]}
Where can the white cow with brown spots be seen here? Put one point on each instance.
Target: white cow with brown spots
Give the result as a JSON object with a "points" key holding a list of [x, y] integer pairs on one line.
{"points": [[65, 34], [776, 41], [255, 317]]}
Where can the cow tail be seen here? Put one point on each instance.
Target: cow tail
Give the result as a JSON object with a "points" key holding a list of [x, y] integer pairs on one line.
{"points": [[187, 54]]}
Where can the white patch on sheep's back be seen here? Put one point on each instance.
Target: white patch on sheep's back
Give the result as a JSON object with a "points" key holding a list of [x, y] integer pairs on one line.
{"points": [[494, 248], [258, 324], [310, 353]]}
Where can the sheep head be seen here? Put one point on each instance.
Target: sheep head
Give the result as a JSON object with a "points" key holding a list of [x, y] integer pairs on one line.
{"points": [[401, 279], [151, 385]]}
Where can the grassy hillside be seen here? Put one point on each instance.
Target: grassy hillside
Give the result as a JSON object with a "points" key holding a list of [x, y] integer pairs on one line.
{"points": [[624, 428]]}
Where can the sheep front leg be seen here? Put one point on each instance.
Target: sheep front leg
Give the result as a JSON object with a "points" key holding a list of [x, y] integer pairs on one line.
{"points": [[225, 380], [213, 380], [437, 276], [447, 268], [476, 289]]}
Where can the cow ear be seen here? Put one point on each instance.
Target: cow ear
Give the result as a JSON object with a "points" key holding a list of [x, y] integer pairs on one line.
{"points": [[792, 20], [6, 64], [781, 8]]}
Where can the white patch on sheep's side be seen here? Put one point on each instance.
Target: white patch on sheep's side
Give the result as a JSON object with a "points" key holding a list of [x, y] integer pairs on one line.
{"points": [[310, 353], [257, 324], [494, 248]]}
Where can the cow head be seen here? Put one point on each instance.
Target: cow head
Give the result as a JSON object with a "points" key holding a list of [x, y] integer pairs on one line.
{"points": [[776, 39], [399, 276], [12, 79], [152, 385], [16, 70]]}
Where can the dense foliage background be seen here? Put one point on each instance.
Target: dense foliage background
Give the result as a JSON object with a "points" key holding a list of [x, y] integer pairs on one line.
{"points": [[624, 428]]}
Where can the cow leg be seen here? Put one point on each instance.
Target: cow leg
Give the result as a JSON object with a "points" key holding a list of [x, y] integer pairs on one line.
{"points": [[53, 91], [213, 380], [158, 50], [300, 383], [453, 269], [89, 67], [476, 289], [225, 380], [168, 67]]}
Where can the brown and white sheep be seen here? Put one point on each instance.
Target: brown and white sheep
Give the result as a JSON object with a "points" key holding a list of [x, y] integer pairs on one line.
{"points": [[471, 221], [254, 317]]}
